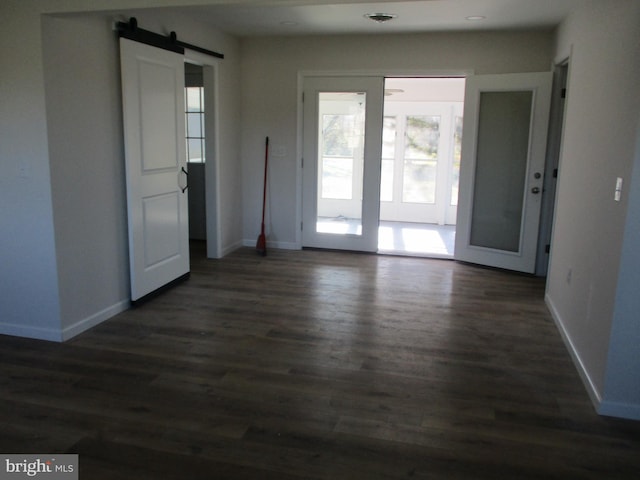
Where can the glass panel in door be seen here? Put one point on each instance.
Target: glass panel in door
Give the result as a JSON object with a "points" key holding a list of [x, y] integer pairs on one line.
{"points": [[340, 162], [501, 166]]}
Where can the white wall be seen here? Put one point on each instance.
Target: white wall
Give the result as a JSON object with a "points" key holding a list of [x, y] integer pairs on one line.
{"points": [[64, 254], [270, 68], [29, 302], [599, 144], [622, 385], [84, 116]]}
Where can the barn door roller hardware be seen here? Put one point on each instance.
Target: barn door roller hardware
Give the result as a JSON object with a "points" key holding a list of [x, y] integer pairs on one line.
{"points": [[170, 42]]}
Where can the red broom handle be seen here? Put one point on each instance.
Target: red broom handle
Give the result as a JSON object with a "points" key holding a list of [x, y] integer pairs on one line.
{"points": [[264, 191]]}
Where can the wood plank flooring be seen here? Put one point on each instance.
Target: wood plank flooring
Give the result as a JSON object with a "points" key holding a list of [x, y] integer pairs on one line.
{"points": [[317, 365]]}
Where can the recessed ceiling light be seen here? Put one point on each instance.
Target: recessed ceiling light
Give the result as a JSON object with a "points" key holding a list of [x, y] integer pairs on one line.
{"points": [[475, 18], [380, 17], [288, 23]]}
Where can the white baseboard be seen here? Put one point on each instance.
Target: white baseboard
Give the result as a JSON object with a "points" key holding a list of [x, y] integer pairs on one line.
{"points": [[283, 245], [602, 405], [37, 333], [621, 410], [594, 394], [95, 319], [230, 248], [55, 335], [276, 245]]}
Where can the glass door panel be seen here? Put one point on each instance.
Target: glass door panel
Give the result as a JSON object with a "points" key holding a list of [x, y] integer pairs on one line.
{"points": [[340, 162], [501, 166]]}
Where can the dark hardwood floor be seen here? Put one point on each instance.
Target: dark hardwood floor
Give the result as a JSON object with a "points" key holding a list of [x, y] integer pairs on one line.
{"points": [[307, 364]]}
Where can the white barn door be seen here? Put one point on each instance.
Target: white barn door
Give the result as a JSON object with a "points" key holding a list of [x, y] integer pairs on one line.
{"points": [[154, 138]]}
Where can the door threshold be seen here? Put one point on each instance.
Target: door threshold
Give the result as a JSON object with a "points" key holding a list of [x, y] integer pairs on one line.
{"points": [[416, 239], [402, 253]]}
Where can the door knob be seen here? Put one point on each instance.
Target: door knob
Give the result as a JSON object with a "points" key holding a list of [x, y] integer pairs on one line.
{"points": [[535, 190]]}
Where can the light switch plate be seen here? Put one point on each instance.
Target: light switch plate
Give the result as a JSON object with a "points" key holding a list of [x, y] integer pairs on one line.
{"points": [[618, 192], [619, 183]]}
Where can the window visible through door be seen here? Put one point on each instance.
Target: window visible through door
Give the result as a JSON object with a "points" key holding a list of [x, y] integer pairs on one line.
{"points": [[194, 111], [341, 163], [195, 148]]}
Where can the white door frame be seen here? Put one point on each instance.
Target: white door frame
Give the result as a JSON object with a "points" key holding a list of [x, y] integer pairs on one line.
{"points": [[552, 167], [302, 74]]}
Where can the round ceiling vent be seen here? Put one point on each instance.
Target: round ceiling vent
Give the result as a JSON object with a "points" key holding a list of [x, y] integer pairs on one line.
{"points": [[380, 17]]}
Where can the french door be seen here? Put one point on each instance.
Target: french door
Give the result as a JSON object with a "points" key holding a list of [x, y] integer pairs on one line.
{"points": [[501, 174], [342, 139], [155, 154]]}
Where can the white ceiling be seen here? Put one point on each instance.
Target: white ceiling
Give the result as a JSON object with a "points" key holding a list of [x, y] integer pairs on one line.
{"points": [[295, 17]]}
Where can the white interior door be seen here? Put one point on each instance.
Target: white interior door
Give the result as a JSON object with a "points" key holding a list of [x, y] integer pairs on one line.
{"points": [[341, 170], [501, 173], [154, 132]]}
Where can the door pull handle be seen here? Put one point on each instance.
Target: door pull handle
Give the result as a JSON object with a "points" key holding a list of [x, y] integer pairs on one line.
{"points": [[186, 174]]}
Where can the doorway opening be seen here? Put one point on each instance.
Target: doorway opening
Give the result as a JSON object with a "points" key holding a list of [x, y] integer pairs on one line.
{"points": [[196, 152], [554, 147], [422, 135]]}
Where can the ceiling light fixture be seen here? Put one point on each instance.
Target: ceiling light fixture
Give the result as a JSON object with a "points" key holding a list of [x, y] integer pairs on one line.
{"points": [[475, 18], [380, 17]]}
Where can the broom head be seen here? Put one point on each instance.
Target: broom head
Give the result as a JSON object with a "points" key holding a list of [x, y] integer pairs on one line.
{"points": [[261, 245]]}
